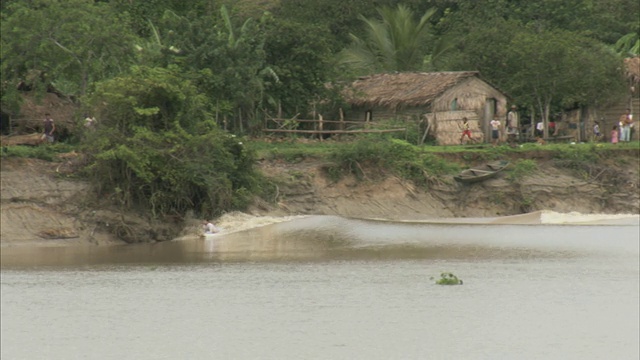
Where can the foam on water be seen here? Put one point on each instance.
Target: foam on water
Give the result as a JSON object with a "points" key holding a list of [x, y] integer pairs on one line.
{"points": [[552, 217], [238, 221], [548, 217]]}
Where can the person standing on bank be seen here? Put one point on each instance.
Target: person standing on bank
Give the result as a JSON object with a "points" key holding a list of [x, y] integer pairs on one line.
{"points": [[597, 135], [625, 126], [512, 125], [49, 128], [466, 130], [614, 134], [495, 130], [540, 129]]}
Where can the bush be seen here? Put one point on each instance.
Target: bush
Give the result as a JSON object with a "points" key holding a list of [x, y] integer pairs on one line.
{"points": [[521, 168], [157, 148], [449, 279], [389, 155], [576, 157]]}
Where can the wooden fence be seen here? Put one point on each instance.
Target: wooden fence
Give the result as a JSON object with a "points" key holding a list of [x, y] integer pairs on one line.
{"points": [[323, 127]]}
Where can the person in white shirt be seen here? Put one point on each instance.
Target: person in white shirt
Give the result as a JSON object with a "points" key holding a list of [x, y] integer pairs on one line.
{"points": [[540, 129], [495, 130], [512, 125], [626, 123]]}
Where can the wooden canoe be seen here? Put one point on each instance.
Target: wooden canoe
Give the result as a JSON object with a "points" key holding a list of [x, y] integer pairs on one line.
{"points": [[482, 172]]}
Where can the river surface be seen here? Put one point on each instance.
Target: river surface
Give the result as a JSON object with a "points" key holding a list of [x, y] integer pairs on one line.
{"points": [[325, 287]]}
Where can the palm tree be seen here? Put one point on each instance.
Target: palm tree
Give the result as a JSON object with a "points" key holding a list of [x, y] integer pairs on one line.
{"points": [[395, 43], [628, 45]]}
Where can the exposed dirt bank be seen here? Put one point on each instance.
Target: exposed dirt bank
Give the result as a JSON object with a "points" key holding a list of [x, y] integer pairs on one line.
{"points": [[611, 186], [41, 205]]}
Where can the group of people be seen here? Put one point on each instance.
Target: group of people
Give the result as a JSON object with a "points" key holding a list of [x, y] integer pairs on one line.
{"points": [[511, 128], [622, 131], [49, 132]]}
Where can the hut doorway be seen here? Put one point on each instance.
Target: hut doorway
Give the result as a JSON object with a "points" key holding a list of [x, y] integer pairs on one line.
{"points": [[490, 108], [5, 123], [368, 115]]}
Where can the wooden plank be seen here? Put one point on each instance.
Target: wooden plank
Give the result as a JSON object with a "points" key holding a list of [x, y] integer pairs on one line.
{"points": [[30, 139], [559, 138], [333, 131], [481, 171], [278, 121]]}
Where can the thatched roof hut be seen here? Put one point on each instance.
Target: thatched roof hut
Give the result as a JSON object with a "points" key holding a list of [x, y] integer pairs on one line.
{"points": [[32, 110], [632, 69], [403, 89], [439, 100]]}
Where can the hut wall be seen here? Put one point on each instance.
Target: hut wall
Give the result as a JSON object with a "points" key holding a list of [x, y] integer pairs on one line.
{"points": [[475, 95], [447, 126], [382, 114], [610, 116], [471, 94], [31, 117]]}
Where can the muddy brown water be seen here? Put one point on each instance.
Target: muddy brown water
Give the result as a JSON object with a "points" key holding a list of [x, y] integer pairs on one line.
{"points": [[332, 288]]}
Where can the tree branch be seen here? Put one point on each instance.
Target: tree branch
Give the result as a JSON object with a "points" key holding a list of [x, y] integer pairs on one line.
{"points": [[67, 50]]}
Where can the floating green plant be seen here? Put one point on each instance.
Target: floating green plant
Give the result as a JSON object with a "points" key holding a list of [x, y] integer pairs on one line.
{"points": [[448, 279]]}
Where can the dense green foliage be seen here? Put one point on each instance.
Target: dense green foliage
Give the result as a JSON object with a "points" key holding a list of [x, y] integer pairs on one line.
{"points": [[395, 43], [157, 147], [70, 44], [274, 57]]}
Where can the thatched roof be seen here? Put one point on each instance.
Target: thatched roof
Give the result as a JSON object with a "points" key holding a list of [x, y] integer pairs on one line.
{"points": [[407, 89], [632, 68]]}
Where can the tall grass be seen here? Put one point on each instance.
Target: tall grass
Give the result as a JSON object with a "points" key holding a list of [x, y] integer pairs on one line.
{"points": [[389, 156], [46, 152]]}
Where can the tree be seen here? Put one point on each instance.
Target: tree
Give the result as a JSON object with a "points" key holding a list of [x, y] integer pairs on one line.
{"points": [[156, 147], [395, 43], [301, 57], [340, 17], [628, 45], [559, 69], [72, 43], [226, 60]]}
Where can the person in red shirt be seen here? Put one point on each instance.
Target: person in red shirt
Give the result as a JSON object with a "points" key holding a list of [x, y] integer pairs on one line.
{"points": [[466, 130]]}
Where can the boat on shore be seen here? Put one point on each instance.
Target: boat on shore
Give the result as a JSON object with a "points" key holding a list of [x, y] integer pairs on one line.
{"points": [[482, 172]]}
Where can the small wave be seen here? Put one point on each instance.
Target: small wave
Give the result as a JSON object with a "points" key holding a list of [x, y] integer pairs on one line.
{"points": [[552, 217], [239, 221], [233, 222]]}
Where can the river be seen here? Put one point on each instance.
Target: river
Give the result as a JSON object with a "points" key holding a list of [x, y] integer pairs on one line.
{"points": [[325, 287]]}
